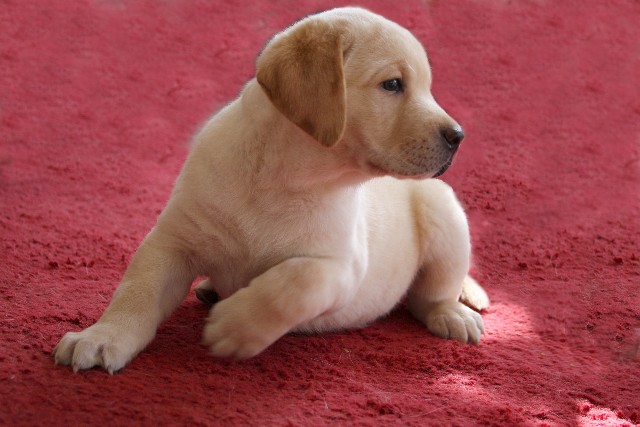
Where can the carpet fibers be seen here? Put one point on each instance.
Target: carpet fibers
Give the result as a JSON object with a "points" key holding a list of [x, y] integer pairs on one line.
{"points": [[98, 101]]}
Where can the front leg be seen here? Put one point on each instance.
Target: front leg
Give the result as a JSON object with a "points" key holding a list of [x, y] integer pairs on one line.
{"points": [[155, 283], [434, 297], [294, 291]]}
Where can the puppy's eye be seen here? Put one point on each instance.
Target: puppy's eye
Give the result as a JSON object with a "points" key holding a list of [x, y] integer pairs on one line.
{"points": [[393, 85]]}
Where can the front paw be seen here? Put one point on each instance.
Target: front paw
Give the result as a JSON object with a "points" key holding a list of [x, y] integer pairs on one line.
{"points": [[99, 345], [235, 330], [456, 321]]}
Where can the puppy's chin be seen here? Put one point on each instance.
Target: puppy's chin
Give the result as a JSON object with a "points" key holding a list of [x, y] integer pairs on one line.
{"points": [[444, 168], [410, 172]]}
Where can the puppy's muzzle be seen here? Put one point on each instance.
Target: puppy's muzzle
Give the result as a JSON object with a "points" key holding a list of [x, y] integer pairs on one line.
{"points": [[452, 137]]}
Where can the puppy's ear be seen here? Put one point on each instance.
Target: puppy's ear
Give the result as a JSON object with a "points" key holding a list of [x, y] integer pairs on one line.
{"points": [[301, 72]]}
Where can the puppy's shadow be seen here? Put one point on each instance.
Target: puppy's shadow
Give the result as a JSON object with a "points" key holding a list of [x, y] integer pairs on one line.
{"points": [[179, 337]]}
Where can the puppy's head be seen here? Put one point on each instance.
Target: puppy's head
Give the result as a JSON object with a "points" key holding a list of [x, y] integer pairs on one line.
{"points": [[351, 76]]}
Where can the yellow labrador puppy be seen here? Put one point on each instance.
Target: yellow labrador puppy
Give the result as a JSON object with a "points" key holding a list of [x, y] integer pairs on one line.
{"points": [[295, 203]]}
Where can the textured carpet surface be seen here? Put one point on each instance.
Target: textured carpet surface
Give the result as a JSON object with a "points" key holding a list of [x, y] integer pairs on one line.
{"points": [[98, 100]]}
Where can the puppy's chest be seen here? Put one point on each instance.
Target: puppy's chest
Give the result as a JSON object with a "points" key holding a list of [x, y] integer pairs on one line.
{"points": [[240, 247]]}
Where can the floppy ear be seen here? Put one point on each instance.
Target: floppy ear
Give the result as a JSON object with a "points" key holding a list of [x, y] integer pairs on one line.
{"points": [[301, 72]]}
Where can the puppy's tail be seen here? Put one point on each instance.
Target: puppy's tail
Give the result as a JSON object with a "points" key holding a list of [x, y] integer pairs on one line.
{"points": [[473, 295]]}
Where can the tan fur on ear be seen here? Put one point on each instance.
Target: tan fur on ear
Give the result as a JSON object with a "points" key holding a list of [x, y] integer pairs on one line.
{"points": [[301, 72]]}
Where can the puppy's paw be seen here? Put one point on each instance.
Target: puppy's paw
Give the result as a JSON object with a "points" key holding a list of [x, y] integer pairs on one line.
{"points": [[98, 345], [455, 320], [234, 330], [473, 295]]}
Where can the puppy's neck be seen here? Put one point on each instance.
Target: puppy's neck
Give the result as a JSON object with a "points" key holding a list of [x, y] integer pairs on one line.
{"points": [[281, 155]]}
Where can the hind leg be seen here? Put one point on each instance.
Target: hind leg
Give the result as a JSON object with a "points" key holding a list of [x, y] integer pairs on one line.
{"points": [[473, 295], [434, 298]]}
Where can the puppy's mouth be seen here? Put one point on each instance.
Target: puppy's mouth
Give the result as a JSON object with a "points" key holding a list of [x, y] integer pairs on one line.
{"points": [[405, 174], [444, 168]]}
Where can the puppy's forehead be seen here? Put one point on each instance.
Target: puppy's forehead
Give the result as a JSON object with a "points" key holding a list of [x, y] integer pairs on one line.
{"points": [[368, 25], [373, 35], [397, 42], [375, 44]]}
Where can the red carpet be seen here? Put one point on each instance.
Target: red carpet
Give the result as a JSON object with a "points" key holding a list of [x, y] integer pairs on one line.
{"points": [[98, 100]]}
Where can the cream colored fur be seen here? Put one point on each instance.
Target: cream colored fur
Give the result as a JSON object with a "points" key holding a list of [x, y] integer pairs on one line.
{"points": [[308, 203]]}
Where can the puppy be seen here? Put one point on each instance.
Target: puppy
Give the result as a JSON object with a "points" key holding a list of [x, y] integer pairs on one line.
{"points": [[308, 204]]}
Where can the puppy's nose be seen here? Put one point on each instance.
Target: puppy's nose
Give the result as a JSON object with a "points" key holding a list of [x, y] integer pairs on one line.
{"points": [[453, 136]]}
